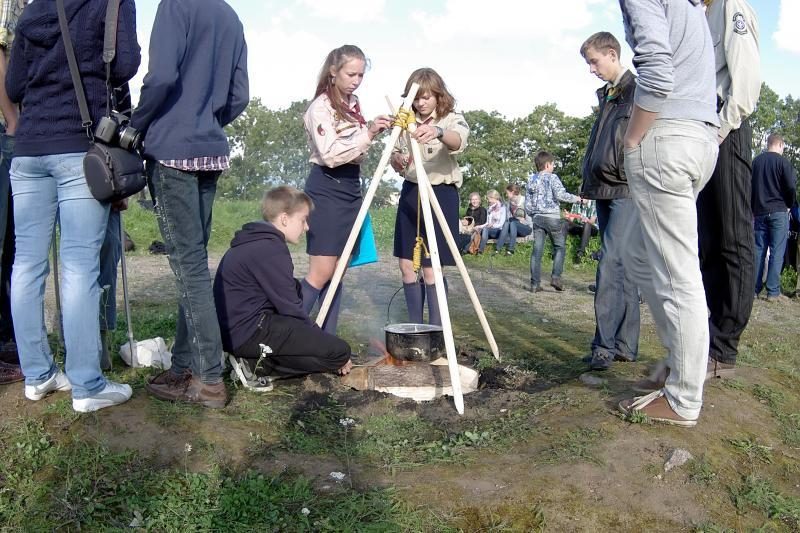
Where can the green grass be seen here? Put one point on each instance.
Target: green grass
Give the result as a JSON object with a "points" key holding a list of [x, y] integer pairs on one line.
{"points": [[755, 492], [79, 484]]}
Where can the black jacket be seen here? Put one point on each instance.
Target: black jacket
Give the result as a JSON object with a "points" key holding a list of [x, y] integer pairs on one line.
{"points": [[478, 214], [255, 276], [603, 172], [774, 184]]}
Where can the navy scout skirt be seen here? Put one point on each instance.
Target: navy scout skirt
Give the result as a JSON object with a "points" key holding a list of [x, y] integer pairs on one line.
{"points": [[405, 227], [336, 193]]}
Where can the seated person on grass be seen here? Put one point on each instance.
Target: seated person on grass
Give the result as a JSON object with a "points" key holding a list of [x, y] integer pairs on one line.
{"points": [[516, 222], [495, 218], [474, 216], [259, 302], [582, 221]]}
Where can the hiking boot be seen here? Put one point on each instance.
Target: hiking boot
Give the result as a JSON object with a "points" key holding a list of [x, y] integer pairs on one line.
{"points": [[169, 386], [57, 382], [601, 361], [555, 282], [112, 394], [186, 388], [10, 373], [717, 369], [211, 395]]}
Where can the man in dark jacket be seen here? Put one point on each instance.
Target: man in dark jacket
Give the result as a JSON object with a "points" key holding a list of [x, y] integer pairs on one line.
{"points": [[196, 84], [260, 304], [773, 195], [616, 300]]}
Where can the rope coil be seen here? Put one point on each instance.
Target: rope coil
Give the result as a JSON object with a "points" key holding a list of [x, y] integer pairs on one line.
{"points": [[404, 118]]}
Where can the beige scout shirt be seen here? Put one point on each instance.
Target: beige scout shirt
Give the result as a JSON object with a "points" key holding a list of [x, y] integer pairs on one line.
{"points": [[332, 140], [734, 32], [440, 163]]}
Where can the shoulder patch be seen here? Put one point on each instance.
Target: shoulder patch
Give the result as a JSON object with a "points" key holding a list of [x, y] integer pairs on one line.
{"points": [[739, 23], [320, 130], [462, 123]]}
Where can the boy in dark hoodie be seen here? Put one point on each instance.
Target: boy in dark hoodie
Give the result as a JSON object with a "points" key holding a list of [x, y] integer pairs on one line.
{"points": [[259, 302]]}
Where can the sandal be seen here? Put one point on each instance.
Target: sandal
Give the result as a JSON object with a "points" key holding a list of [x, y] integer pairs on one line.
{"points": [[657, 409]]}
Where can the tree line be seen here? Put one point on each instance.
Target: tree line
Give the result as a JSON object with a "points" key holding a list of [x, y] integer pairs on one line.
{"points": [[269, 146]]}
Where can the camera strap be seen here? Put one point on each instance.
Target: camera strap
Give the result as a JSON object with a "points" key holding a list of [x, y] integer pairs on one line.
{"points": [[73, 69], [110, 49]]}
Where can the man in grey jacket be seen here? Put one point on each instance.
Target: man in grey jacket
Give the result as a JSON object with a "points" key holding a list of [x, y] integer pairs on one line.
{"points": [[670, 151]]}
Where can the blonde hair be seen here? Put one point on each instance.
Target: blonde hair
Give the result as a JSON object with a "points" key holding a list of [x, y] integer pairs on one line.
{"points": [[492, 193], [283, 199]]}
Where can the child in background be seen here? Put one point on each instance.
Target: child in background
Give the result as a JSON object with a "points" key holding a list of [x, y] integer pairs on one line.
{"points": [[495, 218], [516, 224], [260, 304]]}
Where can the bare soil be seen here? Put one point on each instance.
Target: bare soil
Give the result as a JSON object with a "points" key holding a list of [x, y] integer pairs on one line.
{"points": [[565, 454]]}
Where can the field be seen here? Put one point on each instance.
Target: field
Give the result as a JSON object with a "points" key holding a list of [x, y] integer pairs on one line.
{"points": [[538, 449]]}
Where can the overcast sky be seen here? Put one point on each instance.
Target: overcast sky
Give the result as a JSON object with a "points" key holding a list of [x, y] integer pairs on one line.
{"points": [[503, 55]]}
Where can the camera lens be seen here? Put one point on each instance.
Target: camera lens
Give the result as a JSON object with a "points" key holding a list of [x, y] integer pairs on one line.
{"points": [[129, 138]]}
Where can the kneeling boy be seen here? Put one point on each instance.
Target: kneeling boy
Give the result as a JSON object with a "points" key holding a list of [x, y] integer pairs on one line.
{"points": [[258, 300]]}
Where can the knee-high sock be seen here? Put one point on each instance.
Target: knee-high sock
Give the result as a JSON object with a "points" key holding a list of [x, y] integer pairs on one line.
{"points": [[434, 317], [310, 296], [332, 319], [415, 301]]}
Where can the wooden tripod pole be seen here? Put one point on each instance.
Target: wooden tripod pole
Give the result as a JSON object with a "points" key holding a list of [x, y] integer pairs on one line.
{"points": [[425, 193], [344, 259], [462, 268]]}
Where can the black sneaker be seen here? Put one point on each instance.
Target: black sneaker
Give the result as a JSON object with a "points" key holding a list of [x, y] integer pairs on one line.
{"points": [[601, 361], [592, 288]]}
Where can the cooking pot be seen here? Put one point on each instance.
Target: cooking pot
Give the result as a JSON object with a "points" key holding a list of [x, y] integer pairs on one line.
{"points": [[415, 342]]}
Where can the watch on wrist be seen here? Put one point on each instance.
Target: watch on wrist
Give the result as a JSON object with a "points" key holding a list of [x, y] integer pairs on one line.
{"points": [[439, 132]]}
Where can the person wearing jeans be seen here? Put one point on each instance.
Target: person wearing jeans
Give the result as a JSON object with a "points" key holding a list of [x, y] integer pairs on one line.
{"points": [[774, 187], [198, 72], [670, 152], [515, 225], [48, 184], [495, 218], [545, 226]]}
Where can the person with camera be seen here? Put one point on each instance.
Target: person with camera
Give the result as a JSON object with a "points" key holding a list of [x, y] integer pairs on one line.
{"points": [[47, 181], [196, 85]]}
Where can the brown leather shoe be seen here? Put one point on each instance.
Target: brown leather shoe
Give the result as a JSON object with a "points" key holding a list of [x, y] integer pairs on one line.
{"points": [[10, 373], [169, 385], [213, 395]]}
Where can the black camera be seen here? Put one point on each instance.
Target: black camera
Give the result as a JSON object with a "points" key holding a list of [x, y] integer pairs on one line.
{"points": [[117, 129]]}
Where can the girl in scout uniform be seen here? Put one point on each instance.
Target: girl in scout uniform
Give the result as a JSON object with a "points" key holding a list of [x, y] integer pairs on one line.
{"points": [[338, 138], [442, 133]]}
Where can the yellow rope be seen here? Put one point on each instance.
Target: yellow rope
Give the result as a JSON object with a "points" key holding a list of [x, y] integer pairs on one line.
{"points": [[419, 245], [404, 118]]}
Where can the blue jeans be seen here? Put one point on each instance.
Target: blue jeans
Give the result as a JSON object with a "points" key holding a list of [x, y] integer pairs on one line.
{"points": [[486, 234], [183, 203], [110, 253], [771, 231], [616, 300], [554, 228], [511, 230], [44, 186]]}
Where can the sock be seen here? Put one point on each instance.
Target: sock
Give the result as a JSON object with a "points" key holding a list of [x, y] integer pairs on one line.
{"points": [[415, 301], [310, 296], [332, 320], [434, 317]]}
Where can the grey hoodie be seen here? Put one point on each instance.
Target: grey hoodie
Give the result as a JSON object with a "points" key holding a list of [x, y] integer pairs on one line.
{"points": [[674, 58]]}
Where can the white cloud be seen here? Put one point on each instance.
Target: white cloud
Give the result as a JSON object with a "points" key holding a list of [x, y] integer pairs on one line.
{"points": [[785, 36], [351, 11]]}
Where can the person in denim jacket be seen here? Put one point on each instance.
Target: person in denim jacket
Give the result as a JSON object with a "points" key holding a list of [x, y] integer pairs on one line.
{"points": [[545, 191]]}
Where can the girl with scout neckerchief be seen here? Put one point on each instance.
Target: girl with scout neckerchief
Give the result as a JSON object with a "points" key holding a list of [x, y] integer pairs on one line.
{"points": [[442, 133], [338, 138]]}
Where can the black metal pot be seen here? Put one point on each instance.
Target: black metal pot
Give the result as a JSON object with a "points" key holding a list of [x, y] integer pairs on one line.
{"points": [[415, 342]]}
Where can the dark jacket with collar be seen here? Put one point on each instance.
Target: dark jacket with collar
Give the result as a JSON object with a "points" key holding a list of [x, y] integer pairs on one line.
{"points": [[196, 82], [603, 171], [255, 276], [38, 74]]}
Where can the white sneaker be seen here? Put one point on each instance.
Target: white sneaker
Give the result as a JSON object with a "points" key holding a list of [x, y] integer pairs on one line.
{"points": [[241, 372], [113, 394], [57, 381]]}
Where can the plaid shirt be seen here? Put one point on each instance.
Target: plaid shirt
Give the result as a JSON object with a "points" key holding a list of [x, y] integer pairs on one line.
{"points": [[10, 10], [200, 164]]}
